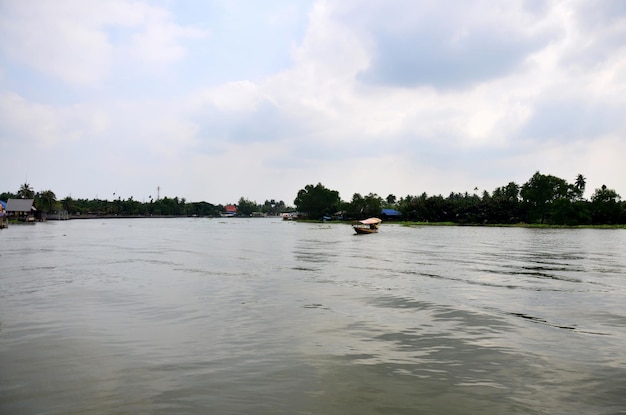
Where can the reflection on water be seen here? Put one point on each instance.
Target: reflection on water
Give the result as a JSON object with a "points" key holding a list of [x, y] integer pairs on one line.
{"points": [[263, 316]]}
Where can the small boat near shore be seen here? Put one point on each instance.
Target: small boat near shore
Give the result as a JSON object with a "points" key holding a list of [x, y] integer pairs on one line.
{"points": [[367, 226]]}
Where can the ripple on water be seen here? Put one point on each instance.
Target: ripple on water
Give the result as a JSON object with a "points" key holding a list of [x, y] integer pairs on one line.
{"points": [[261, 316]]}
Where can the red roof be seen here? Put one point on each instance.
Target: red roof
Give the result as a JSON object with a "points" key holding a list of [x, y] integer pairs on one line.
{"points": [[230, 208]]}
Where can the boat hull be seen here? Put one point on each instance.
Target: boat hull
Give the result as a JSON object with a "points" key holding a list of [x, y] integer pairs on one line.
{"points": [[364, 231]]}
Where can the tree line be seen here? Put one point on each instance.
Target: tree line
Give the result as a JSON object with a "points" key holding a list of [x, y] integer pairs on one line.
{"points": [[46, 201], [543, 199]]}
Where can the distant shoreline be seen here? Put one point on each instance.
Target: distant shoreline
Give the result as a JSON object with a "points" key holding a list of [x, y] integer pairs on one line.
{"points": [[483, 225], [402, 223], [82, 217]]}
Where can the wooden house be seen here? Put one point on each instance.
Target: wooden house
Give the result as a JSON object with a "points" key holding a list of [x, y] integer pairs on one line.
{"points": [[21, 209]]}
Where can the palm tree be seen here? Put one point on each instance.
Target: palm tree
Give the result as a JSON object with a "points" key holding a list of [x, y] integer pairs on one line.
{"points": [[580, 184], [47, 200], [26, 192]]}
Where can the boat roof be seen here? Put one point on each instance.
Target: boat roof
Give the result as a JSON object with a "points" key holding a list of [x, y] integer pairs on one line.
{"points": [[370, 221]]}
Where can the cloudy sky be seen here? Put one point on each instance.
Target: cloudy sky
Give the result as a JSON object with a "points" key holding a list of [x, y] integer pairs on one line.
{"points": [[220, 99]]}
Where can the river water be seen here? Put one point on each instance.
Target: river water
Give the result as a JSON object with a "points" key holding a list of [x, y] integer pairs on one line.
{"points": [[262, 316]]}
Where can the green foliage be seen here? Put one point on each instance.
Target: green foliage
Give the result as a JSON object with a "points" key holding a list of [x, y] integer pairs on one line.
{"points": [[203, 209], [353, 209], [544, 200], [7, 195], [427, 209], [540, 192], [568, 212], [364, 207], [26, 191], [246, 207], [273, 208], [46, 201], [391, 200], [317, 201], [579, 186], [509, 192], [606, 207], [130, 207]]}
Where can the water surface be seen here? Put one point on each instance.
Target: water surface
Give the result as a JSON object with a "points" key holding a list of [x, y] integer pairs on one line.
{"points": [[242, 316]]}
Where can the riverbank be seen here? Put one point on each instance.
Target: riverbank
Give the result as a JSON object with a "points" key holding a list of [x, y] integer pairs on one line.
{"points": [[482, 225], [513, 225]]}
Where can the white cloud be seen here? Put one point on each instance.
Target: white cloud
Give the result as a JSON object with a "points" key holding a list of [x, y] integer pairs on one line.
{"points": [[486, 95], [159, 39], [449, 47], [233, 96], [345, 119], [79, 41], [56, 39], [45, 125]]}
